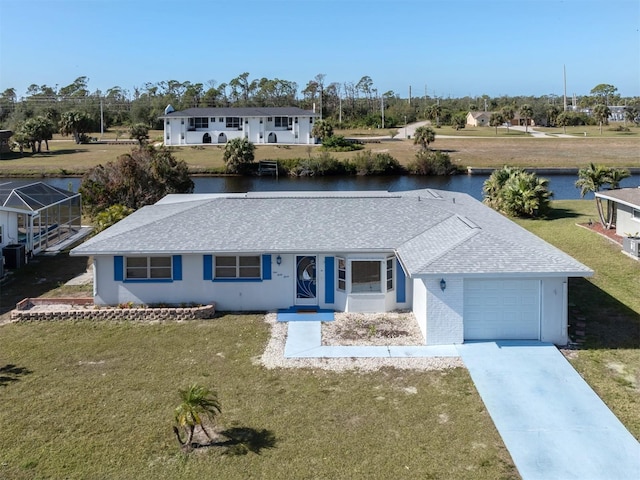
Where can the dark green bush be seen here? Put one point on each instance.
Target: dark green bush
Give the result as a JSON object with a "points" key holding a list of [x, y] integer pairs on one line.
{"points": [[432, 163], [322, 164], [337, 143], [368, 163]]}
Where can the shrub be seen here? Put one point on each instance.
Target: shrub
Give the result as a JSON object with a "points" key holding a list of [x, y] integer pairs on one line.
{"points": [[321, 165], [239, 154], [337, 143], [432, 163], [368, 163], [517, 193]]}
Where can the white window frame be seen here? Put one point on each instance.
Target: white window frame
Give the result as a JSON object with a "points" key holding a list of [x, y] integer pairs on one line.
{"points": [[237, 270], [341, 274], [149, 271], [390, 277]]}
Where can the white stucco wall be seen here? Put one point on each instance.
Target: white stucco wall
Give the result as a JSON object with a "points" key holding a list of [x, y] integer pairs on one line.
{"points": [[553, 310], [176, 131], [625, 223], [445, 311], [277, 292], [420, 304]]}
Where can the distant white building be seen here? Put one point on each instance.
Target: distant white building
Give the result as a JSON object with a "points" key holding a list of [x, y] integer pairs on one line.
{"points": [[197, 126]]}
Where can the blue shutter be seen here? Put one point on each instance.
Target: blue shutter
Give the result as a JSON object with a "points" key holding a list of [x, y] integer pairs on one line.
{"points": [[207, 267], [266, 267], [329, 279], [177, 267], [401, 283], [118, 268]]}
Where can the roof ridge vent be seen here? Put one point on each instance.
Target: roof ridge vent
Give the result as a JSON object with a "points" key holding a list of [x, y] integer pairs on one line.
{"points": [[467, 222], [433, 194]]}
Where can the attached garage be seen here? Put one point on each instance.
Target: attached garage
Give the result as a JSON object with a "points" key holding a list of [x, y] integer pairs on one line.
{"points": [[501, 309]]}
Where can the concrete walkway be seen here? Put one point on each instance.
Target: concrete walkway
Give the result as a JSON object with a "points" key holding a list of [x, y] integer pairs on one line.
{"points": [[551, 421]]}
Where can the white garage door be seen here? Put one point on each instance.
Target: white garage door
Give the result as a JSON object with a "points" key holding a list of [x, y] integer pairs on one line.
{"points": [[501, 309]]}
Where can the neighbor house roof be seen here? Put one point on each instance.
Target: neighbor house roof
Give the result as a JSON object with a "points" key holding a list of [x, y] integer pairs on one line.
{"points": [[626, 196], [240, 112], [432, 232], [480, 114]]}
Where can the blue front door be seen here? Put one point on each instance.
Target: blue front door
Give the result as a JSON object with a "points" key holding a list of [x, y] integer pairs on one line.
{"points": [[306, 280]]}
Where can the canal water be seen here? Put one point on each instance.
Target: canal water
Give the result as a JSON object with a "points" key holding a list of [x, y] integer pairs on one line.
{"points": [[562, 186]]}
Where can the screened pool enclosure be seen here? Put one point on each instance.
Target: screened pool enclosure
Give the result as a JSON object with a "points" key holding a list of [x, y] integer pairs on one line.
{"points": [[37, 215]]}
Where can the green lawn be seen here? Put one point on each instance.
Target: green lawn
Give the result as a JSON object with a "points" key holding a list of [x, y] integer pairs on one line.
{"points": [[95, 400]]}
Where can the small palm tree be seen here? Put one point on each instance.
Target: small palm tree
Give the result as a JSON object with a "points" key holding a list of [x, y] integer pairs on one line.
{"points": [[591, 179], [527, 112], [601, 113], [322, 130], [424, 136], [198, 402], [508, 113], [496, 120], [616, 175], [239, 153], [517, 193]]}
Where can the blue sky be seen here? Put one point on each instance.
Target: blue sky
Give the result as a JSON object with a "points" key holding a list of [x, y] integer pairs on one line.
{"points": [[453, 48]]}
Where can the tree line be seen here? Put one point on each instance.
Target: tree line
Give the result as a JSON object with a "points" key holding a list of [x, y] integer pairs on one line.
{"points": [[344, 104]]}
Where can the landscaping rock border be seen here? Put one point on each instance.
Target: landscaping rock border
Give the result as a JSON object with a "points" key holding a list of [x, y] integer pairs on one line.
{"points": [[54, 309]]}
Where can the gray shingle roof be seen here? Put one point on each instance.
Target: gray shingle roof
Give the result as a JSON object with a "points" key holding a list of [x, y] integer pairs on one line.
{"points": [[431, 231], [628, 196]]}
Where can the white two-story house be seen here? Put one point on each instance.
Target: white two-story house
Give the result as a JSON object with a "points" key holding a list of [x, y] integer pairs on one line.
{"points": [[197, 126]]}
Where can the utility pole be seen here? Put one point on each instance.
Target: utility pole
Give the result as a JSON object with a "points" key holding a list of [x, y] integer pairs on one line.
{"points": [[564, 68], [382, 109], [101, 120]]}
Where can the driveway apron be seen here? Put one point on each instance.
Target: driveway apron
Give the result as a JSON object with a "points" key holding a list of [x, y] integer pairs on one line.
{"points": [[551, 421]]}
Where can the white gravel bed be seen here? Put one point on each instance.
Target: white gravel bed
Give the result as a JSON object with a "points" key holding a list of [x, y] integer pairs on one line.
{"points": [[389, 328], [273, 357]]}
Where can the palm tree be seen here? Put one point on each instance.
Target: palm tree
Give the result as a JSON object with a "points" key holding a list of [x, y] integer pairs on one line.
{"points": [[496, 119], [492, 186], [424, 136], [516, 192], [198, 402], [508, 112], [75, 123], [321, 130], [434, 112], [525, 194], [616, 175], [592, 179], [527, 112], [562, 120], [601, 113], [238, 154]]}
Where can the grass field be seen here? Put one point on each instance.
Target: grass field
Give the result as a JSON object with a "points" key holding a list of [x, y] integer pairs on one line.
{"points": [[617, 150], [610, 304], [95, 400]]}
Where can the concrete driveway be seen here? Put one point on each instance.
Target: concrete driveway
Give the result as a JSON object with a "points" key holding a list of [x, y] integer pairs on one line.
{"points": [[552, 422]]}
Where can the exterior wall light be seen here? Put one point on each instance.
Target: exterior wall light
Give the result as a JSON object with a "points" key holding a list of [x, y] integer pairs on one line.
{"points": [[278, 259], [443, 284]]}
